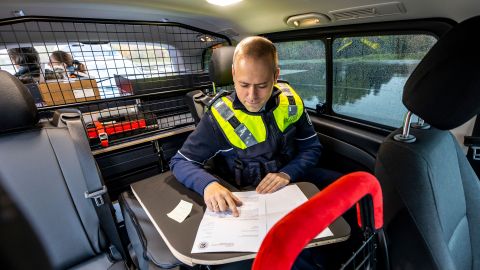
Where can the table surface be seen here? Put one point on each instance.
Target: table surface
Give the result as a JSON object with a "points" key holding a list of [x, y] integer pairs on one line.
{"points": [[160, 194]]}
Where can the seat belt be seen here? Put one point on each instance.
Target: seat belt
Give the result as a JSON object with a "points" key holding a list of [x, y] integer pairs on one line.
{"points": [[473, 143], [96, 190]]}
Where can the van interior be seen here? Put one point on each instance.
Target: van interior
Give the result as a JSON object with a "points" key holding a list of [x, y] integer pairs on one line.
{"points": [[391, 88]]}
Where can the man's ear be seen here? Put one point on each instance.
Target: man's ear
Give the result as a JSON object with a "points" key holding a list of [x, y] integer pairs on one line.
{"points": [[276, 75], [233, 71]]}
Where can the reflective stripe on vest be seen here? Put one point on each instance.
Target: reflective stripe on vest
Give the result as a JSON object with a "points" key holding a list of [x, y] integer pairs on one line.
{"points": [[241, 129], [244, 130], [290, 107]]}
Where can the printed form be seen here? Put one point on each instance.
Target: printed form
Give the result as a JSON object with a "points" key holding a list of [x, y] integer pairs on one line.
{"points": [[221, 232]]}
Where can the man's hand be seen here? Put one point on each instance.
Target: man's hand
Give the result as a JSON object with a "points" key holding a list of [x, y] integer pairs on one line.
{"points": [[273, 181], [219, 199]]}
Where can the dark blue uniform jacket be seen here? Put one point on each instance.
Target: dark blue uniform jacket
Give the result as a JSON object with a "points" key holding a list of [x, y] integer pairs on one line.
{"points": [[208, 141]]}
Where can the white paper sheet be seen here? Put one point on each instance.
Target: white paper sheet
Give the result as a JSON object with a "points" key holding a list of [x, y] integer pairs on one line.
{"points": [[181, 211], [221, 232]]}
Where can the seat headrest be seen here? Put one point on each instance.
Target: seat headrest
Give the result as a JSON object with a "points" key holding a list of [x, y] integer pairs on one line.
{"points": [[17, 108], [444, 89], [220, 68]]}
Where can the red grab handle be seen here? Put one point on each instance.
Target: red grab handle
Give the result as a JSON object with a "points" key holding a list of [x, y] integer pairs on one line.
{"points": [[292, 233]]}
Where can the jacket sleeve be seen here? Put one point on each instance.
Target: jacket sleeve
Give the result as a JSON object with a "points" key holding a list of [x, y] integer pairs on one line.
{"points": [[200, 146], [308, 146]]}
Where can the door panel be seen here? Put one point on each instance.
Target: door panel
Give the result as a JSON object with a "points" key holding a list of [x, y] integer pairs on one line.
{"points": [[346, 148]]}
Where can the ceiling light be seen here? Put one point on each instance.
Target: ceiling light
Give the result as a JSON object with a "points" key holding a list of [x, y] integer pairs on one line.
{"points": [[223, 2], [307, 20], [205, 38], [18, 13]]}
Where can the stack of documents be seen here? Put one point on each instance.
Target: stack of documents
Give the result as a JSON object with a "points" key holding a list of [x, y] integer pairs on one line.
{"points": [[221, 232]]}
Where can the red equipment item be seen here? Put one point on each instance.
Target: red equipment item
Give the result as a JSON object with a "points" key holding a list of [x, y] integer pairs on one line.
{"points": [[102, 131], [309, 219]]}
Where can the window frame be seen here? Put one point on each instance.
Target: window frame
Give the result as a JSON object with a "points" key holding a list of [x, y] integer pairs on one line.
{"points": [[435, 27]]}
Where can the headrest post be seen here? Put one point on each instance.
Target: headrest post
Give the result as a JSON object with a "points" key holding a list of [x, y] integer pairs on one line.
{"points": [[406, 137], [406, 124], [420, 124]]}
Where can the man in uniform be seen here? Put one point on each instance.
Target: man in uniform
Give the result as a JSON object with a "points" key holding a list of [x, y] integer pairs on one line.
{"points": [[261, 130]]}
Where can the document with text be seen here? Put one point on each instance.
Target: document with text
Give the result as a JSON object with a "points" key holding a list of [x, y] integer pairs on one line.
{"points": [[221, 232]]}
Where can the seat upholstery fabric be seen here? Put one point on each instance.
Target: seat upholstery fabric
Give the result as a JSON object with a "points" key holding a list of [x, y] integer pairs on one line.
{"points": [[431, 221]]}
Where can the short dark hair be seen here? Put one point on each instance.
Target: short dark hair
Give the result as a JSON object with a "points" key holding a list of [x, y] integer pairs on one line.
{"points": [[24, 56], [257, 47]]}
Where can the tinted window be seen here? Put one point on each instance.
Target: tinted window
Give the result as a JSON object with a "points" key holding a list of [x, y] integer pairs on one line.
{"points": [[369, 74], [302, 64]]}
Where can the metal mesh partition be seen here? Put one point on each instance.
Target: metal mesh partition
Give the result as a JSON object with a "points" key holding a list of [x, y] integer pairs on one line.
{"points": [[128, 78], [365, 257]]}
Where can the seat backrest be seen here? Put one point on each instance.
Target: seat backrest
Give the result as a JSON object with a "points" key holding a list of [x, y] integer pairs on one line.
{"points": [[431, 193], [220, 72], [220, 66], [14, 228], [431, 201], [197, 108], [64, 221]]}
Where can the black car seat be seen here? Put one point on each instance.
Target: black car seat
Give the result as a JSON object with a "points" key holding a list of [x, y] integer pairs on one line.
{"points": [[431, 193], [220, 72], [14, 228], [41, 171]]}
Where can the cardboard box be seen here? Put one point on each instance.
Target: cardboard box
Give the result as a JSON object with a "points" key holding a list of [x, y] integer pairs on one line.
{"points": [[68, 91]]}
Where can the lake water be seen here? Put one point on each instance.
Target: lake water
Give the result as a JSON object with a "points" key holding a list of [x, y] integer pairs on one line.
{"points": [[368, 90]]}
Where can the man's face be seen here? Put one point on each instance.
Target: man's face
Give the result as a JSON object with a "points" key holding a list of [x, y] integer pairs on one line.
{"points": [[254, 80]]}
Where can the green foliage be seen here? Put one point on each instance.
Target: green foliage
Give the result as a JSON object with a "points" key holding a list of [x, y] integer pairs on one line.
{"points": [[383, 47], [361, 65]]}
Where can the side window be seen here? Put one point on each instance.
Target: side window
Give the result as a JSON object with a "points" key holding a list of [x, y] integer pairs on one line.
{"points": [[302, 64], [369, 74]]}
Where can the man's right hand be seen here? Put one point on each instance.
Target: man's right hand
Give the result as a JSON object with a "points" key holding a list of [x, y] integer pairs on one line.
{"points": [[219, 199]]}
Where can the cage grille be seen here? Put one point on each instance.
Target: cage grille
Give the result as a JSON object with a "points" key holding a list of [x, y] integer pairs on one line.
{"points": [[365, 257], [128, 78]]}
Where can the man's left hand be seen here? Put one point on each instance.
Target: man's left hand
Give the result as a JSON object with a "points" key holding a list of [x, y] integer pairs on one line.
{"points": [[273, 181]]}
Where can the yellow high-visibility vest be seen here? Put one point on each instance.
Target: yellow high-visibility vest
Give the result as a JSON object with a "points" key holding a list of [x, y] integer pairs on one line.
{"points": [[244, 130]]}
